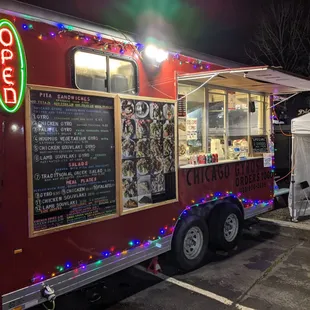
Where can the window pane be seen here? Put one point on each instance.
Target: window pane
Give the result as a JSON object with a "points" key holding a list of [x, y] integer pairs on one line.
{"points": [[238, 125], [257, 117], [90, 71], [216, 125], [238, 114], [195, 119], [122, 75]]}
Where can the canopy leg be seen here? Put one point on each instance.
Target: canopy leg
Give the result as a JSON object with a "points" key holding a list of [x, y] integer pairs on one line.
{"points": [[294, 214]]}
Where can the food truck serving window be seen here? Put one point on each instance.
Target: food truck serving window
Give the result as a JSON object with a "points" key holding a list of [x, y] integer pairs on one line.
{"points": [[218, 124], [100, 72]]}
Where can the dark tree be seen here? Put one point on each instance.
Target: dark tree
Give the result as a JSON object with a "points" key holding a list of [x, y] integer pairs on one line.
{"points": [[283, 37]]}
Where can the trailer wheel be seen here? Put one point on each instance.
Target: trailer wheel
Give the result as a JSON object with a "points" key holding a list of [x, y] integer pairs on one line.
{"points": [[190, 242], [225, 226]]}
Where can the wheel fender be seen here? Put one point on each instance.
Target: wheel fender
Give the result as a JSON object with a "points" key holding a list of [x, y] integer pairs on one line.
{"points": [[201, 211], [205, 210]]}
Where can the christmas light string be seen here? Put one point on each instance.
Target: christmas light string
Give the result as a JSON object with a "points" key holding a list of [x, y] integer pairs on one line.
{"points": [[116, 47], [197, 64], [113, 46], [164, 231]]}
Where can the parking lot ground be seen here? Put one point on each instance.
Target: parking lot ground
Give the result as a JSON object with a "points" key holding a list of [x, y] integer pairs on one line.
{"points": [[265, 272]]}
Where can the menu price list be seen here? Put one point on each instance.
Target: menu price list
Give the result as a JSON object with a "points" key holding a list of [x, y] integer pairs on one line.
{"points": [[73, 158], [259, 144]]}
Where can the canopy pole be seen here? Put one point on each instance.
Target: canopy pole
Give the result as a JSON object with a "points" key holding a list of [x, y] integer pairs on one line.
{"points": [[202, 85], [284, 100], [294, 219]]}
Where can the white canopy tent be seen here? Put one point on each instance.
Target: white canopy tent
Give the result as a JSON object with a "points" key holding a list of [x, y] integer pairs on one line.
{"points": [[299, 203]]}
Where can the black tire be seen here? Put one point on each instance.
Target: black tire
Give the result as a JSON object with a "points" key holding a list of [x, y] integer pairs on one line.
{"points": [[216, 224], [178, 250]]}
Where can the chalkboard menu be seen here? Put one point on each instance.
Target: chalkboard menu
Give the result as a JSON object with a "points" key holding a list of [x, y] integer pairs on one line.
{"points": [[259, 144], [148, 152], [73, 158]]}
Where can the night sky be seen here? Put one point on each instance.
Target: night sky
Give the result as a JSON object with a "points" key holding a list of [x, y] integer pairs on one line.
{"points": [[218, 27]]}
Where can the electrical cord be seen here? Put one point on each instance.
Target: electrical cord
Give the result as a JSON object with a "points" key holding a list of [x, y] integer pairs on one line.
{"points": [[161, 92], [286, 175], [127, 38], [49, 293], [53, 306], [293, 168], [283, 133]]}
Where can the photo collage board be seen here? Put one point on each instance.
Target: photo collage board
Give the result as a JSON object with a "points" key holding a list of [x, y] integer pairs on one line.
{"points": [[148, 150]]}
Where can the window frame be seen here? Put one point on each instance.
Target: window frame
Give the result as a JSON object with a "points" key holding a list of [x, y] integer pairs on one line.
{"points": [[204, 118], [248, 121], [209, 89], [262, 103], [249, 94], [108, 55]]}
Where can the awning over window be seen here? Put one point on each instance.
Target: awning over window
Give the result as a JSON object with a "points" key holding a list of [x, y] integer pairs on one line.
{"points": [[255, 79]]}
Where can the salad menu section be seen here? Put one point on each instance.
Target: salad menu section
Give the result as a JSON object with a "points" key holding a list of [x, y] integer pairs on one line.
{"points": [[148, 152], [73, 158]]}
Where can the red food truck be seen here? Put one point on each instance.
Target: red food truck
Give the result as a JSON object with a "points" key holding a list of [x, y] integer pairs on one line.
{"points": [[112, 155]]}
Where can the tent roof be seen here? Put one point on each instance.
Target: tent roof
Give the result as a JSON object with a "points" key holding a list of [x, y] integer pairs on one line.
{"points": [[301, 125], [261, 79]]}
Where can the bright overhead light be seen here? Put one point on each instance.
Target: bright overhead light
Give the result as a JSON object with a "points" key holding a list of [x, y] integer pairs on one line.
{"points": [[161, 56], [150, 51], [155, 53]]}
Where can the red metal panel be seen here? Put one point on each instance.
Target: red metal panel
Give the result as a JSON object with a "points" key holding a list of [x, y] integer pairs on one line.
{"points": [[49, 64], [248, 178]]}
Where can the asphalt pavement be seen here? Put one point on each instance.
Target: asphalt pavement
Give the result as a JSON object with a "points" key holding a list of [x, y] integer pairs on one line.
{"points": [[264, 272]]}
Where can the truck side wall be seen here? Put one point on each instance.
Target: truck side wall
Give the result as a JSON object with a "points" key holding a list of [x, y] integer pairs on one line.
{"points": [[48, 62]]}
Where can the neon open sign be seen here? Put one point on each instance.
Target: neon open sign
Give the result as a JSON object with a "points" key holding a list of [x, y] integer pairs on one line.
{"points": [[12, 68]]}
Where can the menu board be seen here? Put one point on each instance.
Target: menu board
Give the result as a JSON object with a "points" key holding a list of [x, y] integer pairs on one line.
{"points": [[191, 128], [259, 144], [73, 158], [148, 152]]}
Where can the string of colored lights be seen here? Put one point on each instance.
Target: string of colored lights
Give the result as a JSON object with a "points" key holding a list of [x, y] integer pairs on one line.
{"points": [[164, 231], [63, 30], [113, 46], [197, 64]]}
